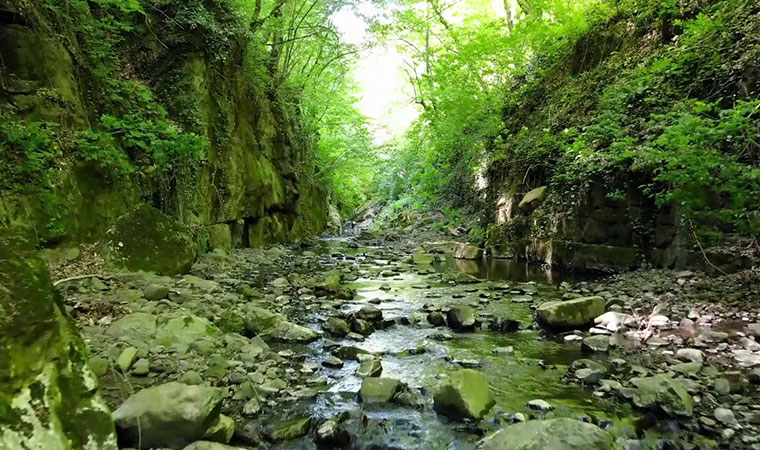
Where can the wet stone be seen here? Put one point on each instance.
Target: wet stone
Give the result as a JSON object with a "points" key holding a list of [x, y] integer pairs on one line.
{"points": [[369, 368], [332, 362]]}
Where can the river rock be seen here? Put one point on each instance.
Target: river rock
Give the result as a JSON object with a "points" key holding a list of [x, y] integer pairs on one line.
{"points": [[461, 318], [379, 390], [331, 434], [539, 405], [147, 240], [155, 292], [587, 371], [170, 415], [554, 434], [371, 313], [598, 343], [690, 354], [134, 328], [332, 362], [221, 430], [275, 326], [184, 329], [290, 429], [48, 395], [370, 368], [127, 357], [362, 327], [467, 251], [336, 327], [436, 319], [577, 312], [465, 395], [663, 392], [504, 325], [614, 321]]}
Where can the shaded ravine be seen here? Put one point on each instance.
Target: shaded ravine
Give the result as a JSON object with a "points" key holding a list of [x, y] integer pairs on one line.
{"points": [[420, 355]]}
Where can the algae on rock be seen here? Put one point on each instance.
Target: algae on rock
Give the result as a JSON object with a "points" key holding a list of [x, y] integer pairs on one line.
{"points": [[48, 395]]}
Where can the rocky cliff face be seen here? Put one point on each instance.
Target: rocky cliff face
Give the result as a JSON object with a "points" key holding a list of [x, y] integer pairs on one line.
{"points": [[617, 126], [164, 114], [48, 396]]}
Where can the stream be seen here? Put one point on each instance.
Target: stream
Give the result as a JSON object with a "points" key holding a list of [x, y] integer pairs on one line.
{"points": [[419, 354]]}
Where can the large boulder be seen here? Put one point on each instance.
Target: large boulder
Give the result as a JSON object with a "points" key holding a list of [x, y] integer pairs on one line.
{"points": [[577, 312], [184, 329], [273, 326], [662, 392], [147, 240], [554, 434], [170, 415], [532, 199], [379, 390], [465, 395], [134, 328], [48, 395], [461, 318], [467, 251]]}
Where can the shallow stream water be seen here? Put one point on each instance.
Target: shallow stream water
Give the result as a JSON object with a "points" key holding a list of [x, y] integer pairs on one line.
{"points": [[412, 354]]}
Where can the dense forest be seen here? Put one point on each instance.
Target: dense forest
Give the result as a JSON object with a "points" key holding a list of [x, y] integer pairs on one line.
{"points": [[379, 224]]}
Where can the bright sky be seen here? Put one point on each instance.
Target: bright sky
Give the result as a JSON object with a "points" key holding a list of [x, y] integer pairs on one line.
{"points": [[385, 92], [386, 95]]}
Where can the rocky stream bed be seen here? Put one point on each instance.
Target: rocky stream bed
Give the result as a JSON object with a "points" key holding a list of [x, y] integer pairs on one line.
{"points": [[342, 343]]}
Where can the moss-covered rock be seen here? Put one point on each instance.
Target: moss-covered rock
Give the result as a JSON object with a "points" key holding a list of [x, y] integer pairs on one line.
{"points": [[467, 251], [571, 313], [134, 328], [273, 326], [379, 390], [185, 329], [147, 240], [170, 415], [48, 395], [664, 393], [555, 434], [465, 395], [461, 318], [290, 429], [532, 199]]}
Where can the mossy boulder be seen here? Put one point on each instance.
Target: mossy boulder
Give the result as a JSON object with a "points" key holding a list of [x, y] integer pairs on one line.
{"points": [[184, 329], [147, 240], [134, 328], [555, 434], [379, 390], [467, 251], [461, 318], [664, 393], [274, 326], [48, 395], [290, 429], [170, 415], [571, 313], [465, 395], [532, 199]]}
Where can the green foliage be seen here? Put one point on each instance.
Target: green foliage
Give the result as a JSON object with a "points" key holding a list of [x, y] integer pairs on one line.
{"points": [[29, 151], [649, 93], [459, 80]]}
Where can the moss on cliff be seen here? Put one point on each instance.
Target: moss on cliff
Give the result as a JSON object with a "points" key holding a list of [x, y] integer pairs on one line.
{"points": [[48, 396], [125, 104]]}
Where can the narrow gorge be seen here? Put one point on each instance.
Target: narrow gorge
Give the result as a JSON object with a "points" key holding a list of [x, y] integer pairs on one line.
{"points": [[379, 224]]}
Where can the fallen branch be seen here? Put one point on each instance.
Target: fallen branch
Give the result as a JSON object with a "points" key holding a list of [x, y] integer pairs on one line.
{"points": [[78, 277]]}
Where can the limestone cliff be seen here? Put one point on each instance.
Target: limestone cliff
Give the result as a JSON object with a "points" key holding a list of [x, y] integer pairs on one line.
{"points": [[48, 396], [108, 105]]}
